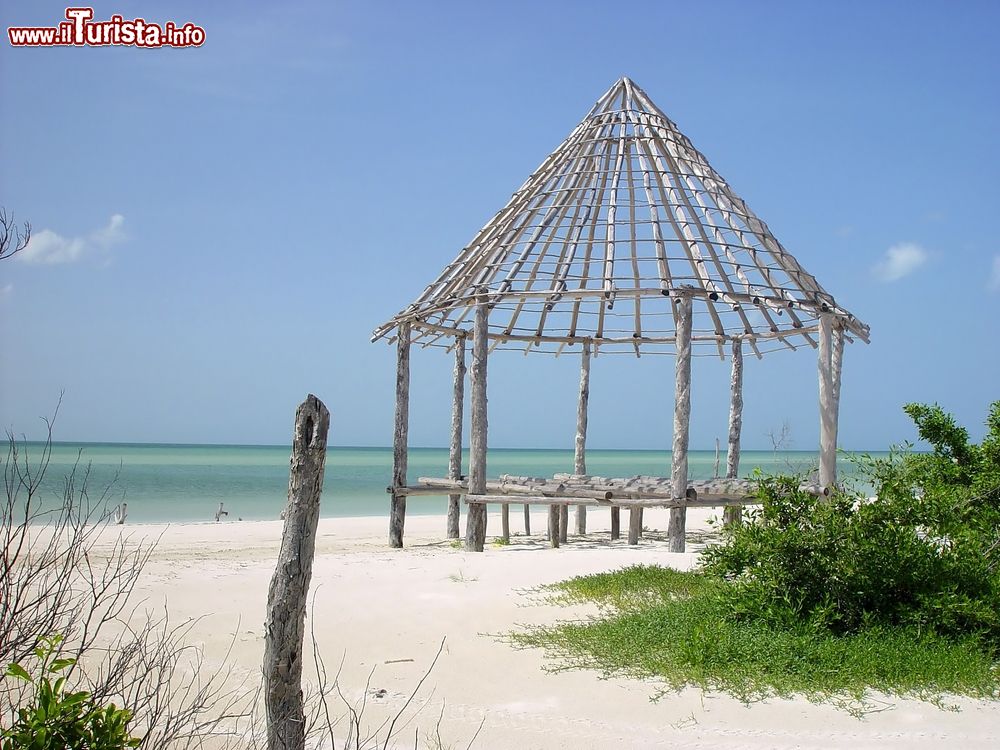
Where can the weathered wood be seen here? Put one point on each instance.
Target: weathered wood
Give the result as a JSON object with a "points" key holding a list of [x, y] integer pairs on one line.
{"points": [[827, 406], [733, 515], [715, 466], [505, 522], [554, 526], [430, 486], [836, 366], [682, 420], [692, 502], [284, 626], [607, 489], [634, 524], [616, 523], [580, 452], [455, 452], [527, 520], [397, 512], [475, 529], [564, 524]]}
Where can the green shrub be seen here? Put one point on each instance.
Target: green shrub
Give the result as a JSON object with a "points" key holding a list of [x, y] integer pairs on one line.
{"points": [[56, 719], [923, 554]]}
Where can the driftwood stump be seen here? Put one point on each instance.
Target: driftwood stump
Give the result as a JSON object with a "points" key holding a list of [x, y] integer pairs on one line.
{"points": [[286, 598]]}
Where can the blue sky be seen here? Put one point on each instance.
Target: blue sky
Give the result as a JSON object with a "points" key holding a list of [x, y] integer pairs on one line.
{"points": [[218, 230]]}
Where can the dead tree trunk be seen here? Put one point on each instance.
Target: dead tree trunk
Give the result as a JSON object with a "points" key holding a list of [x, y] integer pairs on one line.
{"points": [[286, 599]]}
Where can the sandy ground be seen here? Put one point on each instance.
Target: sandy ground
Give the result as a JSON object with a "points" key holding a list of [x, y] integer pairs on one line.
{"points": [[389, 610]]}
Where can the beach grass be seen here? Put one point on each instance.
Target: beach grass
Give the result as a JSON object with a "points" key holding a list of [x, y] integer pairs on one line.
{"points": [[675, 628]]}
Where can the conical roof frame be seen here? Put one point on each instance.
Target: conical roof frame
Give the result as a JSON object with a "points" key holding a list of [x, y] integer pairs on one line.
{"points": [[623, 217]]}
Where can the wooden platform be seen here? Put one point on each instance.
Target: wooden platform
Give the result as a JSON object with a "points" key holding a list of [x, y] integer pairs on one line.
{"points": [[634, 493]]}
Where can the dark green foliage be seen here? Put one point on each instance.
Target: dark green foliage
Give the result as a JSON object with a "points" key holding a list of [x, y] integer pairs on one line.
{"points": [[56, 719], [922, 555], [826, 597]]}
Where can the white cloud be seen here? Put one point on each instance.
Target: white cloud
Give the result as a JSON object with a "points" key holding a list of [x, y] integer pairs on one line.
{"points": [[112, 234], [47, 247], [994, 283], [900, 260]]}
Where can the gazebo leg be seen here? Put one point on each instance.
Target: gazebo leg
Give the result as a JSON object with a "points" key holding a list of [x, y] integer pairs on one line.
{"points": [[397, 511], [580, 452], [828, 406], [733, 514], [475, 530], [616, 522], [682, 421], [455, 453]]}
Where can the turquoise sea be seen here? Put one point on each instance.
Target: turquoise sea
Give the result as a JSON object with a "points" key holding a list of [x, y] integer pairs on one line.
{"points": [[174, 483]]}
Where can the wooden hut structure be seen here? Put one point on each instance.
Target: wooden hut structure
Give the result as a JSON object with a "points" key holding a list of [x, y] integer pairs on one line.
{"points": [[624, 240]]}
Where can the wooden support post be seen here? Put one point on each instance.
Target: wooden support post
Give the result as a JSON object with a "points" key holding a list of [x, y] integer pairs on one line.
{"points": [[635, 524], [475, 528], [397, 513], [554, 526], [505, 522], [616, 524], [733, 514], [527, 520], [287, 596], [455, 454], [836, 366], [580, 453], [827, 405], [564, 524], [682, 420]]}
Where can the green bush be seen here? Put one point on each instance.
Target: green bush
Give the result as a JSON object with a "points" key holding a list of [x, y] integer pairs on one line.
{"points": [[56, 719], [923, 554]]}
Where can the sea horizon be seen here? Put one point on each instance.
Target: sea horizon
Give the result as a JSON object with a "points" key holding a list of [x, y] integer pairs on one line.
{"points": [[186, 482]]}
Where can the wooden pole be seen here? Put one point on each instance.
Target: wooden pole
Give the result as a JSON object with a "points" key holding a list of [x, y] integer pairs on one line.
{"points": [[682, 421], [505, 522], [527, 520], [836, 365], [564, 524], [734, 514], [554, 526], [616, 526], [635, 524], [475, 524], [397, 513], [580, 454], [827, 406], [284, 627], [455, 454]]}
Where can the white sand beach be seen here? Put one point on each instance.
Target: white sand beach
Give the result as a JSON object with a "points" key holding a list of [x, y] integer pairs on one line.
{"points": [[389, 610]]}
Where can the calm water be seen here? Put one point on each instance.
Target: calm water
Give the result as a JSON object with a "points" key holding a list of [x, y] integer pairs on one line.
{"points": [[187, 482]]}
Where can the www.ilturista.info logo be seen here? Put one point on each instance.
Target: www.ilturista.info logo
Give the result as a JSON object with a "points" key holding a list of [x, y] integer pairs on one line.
{"points": [[80, 30]]}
